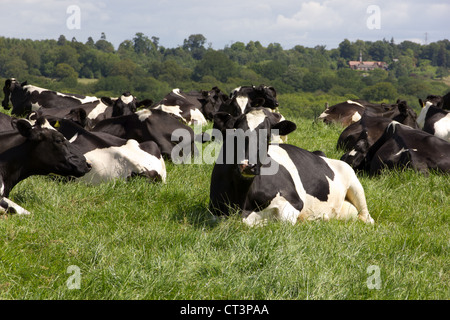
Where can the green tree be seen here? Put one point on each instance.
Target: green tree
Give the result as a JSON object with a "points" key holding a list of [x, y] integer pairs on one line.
{"points": [[216, 64], [195, 44], [347, 50], [380, 91]]}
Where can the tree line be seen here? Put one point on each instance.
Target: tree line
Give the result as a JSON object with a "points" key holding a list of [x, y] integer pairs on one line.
{"points": [[148, 70]]}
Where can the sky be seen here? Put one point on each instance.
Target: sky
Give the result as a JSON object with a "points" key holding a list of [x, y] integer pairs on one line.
{"points": [[286, 22]]}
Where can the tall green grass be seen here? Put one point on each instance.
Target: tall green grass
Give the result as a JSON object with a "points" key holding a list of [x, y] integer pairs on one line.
{"points": [[135, 240]]}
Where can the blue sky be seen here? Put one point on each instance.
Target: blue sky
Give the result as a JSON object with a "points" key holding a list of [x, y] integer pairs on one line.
{"points": [[287, 22]]}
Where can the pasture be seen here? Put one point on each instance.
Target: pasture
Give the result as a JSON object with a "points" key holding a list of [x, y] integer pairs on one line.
{"points": [[135, 240]]}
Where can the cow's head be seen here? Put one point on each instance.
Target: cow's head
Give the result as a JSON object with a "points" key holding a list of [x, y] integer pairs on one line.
{"points": [[124, 105], [407, 115], [11, 85], [211, 101], [356, 157], [246, 138], [267, 97], [50, 152]]}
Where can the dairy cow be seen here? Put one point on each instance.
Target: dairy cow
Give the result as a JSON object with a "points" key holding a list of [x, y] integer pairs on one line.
{"points": [[435, 120], [153, 125], [375, 125], [245, 97], [114, 158], [191, 107], [442, 102], [26, 98], [35, 150], [266, 181], [401, 146], [89, 114], [351, 111]]}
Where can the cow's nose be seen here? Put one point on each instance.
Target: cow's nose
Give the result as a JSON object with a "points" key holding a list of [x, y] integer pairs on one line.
{"points": [[248, 169]]}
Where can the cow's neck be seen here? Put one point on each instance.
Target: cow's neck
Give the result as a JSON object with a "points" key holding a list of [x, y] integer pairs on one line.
{"points": [[10, 175], [12, 169]]}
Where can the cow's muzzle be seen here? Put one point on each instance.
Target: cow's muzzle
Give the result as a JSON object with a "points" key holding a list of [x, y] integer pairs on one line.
{"points": [[248, 170]]}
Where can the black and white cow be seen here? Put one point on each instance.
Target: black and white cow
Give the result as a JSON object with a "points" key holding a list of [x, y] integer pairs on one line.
{"points": [[153, 125], [401, 146], [435, 120], [191, 107], [112, 157], [442, 102], [35, 150], [26, 98], [351, 111], [89, 114], [261, 96], [266, 181], [185, 106], [375, 125], [246, 97]]}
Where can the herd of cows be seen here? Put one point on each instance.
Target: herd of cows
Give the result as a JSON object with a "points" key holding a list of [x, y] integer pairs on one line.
{"points": [[98, 139]]}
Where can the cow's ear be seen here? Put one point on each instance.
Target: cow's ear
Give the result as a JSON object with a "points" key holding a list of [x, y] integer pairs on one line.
{"points": [[146, 103], [24, 83], [258, 102], [284, 127], [107, 100], [421, 103], [24, 128], [223, 121]]}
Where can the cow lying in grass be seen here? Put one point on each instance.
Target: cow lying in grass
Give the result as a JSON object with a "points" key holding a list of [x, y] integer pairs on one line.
{"points": [[35, 150], [282, 182]]}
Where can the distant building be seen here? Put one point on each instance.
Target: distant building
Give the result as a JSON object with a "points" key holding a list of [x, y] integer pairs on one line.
{"points": [[367, 65]]}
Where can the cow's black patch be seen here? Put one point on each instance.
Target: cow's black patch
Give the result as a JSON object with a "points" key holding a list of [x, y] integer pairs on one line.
{"points": [[313, 171]]}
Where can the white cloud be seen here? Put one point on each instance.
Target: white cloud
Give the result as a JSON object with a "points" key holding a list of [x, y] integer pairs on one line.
{"points": [[312, 16], [288, 22]]}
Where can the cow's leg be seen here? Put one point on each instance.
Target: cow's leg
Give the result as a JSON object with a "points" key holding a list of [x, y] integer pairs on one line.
{"points": [[7, 206], [278, 209], [347, 212], [355, 195]]}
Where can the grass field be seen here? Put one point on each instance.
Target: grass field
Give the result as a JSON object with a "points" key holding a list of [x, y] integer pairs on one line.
{"points": [[134, 240]]}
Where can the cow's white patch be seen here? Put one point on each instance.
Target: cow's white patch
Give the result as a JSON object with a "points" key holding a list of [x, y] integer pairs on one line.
{"points": [[197, 117], [98, 110], [255, 118], [127, 99], [324, 114], [75, 136], [30, 88], [404, 150], [442, 128], [175, 110], [178, 92], [242, 102], [18, 209], [423, 114], [120, 162], [278, 209], [356, 117], [143, 114], [354, 102], [353, 153]]}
